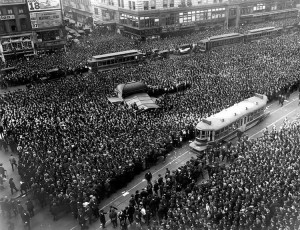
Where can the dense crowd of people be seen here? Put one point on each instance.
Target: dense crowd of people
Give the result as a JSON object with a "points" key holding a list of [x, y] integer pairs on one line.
{"points": [[259, 189], [96, 43], [75, 147]]}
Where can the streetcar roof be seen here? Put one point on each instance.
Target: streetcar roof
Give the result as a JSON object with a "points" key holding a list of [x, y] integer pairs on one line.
{"points": [[127, 52], [261, 30], [217, 37], [233, 113]]}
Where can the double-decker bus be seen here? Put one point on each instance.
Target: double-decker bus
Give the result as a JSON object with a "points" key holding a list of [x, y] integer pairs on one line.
{"points": [[220, 40], [226, 124], [106, 61]]}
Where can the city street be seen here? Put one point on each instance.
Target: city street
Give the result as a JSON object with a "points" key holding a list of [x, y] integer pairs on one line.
{"points": [[43, 220]]}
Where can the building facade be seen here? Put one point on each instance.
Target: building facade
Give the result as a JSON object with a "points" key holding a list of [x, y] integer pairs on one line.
{"points": [[30, 26], [78, 12], [15, 29], [152, 18], [48, 30]]}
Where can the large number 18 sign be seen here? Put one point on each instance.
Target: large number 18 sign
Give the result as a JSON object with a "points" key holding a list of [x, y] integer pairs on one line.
{"points": [[33, 5]]}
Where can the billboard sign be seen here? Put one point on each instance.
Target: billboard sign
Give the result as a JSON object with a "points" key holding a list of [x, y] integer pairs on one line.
{"points": [[46, 19], [9, 2], [41, 5]]}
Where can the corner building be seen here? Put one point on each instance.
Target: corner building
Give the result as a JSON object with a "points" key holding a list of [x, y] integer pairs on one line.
{"points": [[15, 29]]}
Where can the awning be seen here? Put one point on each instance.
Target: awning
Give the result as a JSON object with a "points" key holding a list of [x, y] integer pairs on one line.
{"points": [[142, 100], [104, 23]]}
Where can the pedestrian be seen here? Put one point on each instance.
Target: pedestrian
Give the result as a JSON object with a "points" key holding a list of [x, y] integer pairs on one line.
{"points": [[102, 218], [23, 188], [26, 219], [148, 176], [30, 207], [2, 171], [12, 186], [13, 162], [113, 217]]}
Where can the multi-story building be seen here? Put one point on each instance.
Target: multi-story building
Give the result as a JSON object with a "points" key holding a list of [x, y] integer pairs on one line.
{"points": [[78, 12], [30, 26], [105, 11], [151, 18], [15, 29], [47, 24]]}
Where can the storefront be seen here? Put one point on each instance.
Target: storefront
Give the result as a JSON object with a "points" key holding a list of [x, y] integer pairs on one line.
{"points": [[50, 39], [16, 45]]}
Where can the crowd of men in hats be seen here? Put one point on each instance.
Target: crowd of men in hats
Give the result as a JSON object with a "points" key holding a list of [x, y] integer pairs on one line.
{"points": [[76, 148], [258, 190]]}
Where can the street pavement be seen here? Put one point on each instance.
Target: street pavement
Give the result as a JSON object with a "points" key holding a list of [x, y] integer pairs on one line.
{"points": [[43, 220]]}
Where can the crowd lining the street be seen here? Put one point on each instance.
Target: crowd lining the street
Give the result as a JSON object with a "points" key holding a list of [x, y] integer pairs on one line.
{"points": [[76, 148]]}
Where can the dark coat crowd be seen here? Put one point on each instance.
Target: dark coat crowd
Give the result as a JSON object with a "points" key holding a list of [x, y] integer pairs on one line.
{"points": [[76, 148]]}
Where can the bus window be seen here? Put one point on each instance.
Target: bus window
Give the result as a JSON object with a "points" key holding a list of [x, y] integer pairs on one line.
{"points": [[197, 133]]}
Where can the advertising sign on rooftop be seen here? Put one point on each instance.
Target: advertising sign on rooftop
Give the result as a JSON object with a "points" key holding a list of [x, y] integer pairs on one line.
{"points": [[46, 19], [41, 5]]}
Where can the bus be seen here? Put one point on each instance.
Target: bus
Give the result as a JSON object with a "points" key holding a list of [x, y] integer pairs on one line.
{"points": [[226, 124], [220, 40], [106, 61]]}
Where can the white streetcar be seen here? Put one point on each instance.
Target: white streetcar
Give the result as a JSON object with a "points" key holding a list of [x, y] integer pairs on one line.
{"points": [[226, 124]]}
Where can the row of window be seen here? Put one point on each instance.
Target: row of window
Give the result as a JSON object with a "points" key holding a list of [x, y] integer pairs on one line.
{"points": [[11, 12], [224, 131]]}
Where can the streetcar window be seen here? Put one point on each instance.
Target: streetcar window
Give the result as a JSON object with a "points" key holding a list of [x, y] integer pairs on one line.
{"points": [[203, 134]]}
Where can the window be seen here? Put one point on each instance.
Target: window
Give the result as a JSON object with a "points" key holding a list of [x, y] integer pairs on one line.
{"points": [[23, 24], [202, 134], [2, 27], [171, 3], [146, 5], [165, 3], [9, 11], [96, 11], [189, 3], [129, 4], [121, 3], [133, 5], [153, 4], [259, 7], [21, 11]]}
